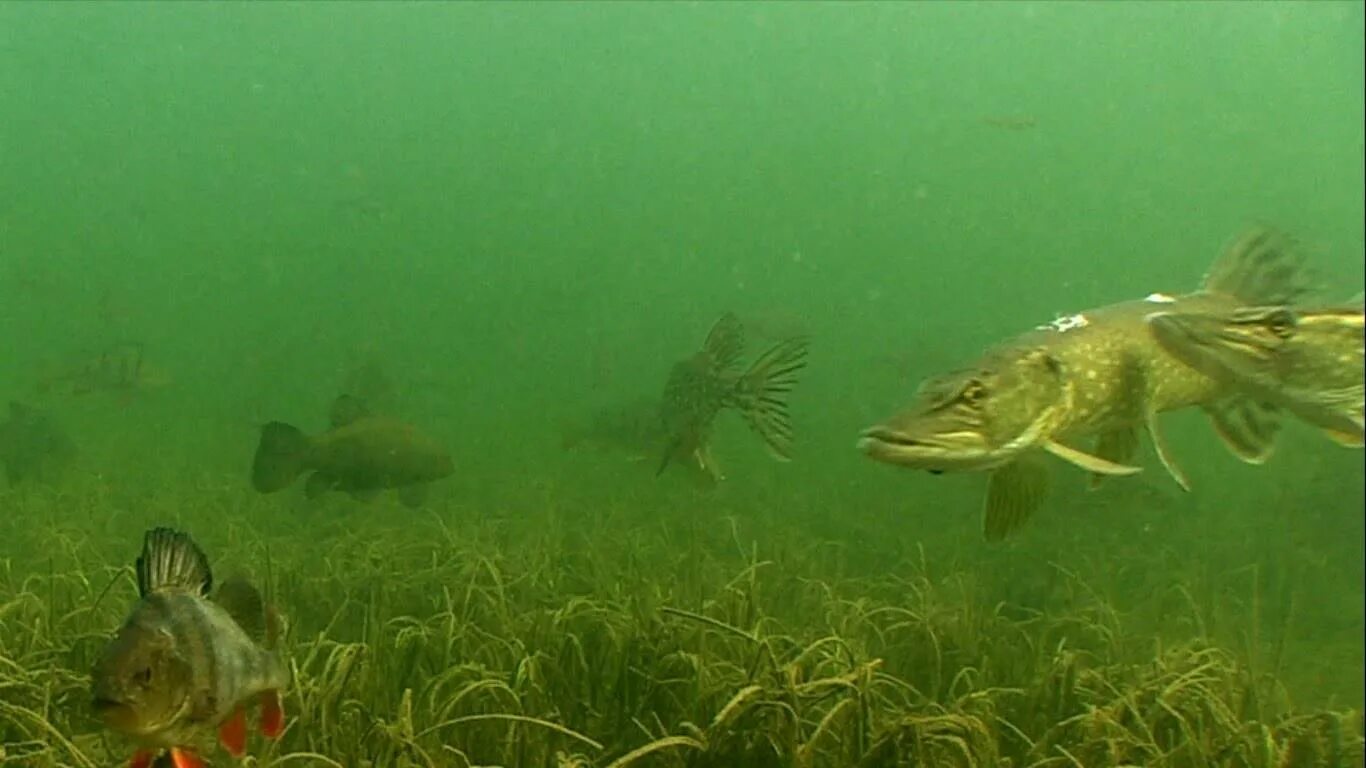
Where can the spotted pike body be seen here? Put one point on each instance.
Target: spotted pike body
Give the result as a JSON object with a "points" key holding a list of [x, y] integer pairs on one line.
{"points": [[1097, 375]]}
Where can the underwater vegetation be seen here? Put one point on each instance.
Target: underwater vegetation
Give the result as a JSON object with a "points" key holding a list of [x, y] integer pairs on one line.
{"points": [[555, 631]]}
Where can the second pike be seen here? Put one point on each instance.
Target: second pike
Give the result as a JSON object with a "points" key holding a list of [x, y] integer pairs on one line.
{"points": [[706, 383], [1098, 376], [1311, 362]]}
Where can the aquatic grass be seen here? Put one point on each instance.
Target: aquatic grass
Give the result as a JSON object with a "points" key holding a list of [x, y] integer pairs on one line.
{"points": [[554, 631]]}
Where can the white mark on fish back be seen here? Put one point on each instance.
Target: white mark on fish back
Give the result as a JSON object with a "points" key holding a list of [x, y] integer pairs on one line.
{"points": [[1159, 298], [1068, 323]]}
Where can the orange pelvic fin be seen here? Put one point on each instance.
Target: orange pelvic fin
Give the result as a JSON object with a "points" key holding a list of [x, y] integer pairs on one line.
{"points": [[184, 758], [272, 715], [141, 759], [232, 734]]}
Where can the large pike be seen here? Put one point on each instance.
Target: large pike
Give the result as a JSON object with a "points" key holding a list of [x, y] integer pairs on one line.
{"points": [[1098, 374], [1308, 361]]}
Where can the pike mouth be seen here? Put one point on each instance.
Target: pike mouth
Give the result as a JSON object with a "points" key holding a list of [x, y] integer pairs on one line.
{"points": [[938, 453]]}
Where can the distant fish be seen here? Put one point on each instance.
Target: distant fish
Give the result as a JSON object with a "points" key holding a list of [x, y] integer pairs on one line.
{"points": [[183, 666], [33, 446], [1308, 361], [361, 455], [119, 369], [1010, 122], [1097, 375], [703, 385]]}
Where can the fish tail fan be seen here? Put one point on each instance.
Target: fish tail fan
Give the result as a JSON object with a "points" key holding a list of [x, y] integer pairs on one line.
{"points": [[170, 560], [1262, 266], [280, 457], [761, 394]]}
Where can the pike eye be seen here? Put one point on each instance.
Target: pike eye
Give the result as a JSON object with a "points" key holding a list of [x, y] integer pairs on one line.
{"points": [[143, 676], [1281, 324], [973, 393]]}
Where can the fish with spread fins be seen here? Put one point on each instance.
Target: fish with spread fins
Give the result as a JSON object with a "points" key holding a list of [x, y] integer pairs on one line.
{"points": [[1096, 375], [184, 666], [707, 382], [119, 369], [1309, 361]]}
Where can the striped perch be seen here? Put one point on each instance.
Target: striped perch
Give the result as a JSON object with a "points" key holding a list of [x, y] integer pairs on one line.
{"points": [[183, 666]]}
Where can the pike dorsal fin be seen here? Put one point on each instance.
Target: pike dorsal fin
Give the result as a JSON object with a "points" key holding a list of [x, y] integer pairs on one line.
{"points": [[1262, 266], [170, 560], [243, 603]]}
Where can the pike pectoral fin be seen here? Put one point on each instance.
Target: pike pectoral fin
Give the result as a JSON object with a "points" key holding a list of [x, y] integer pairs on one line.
{"points": [[272, 715], [232, 734], [1117, 446], [1014, 491], [141, 759], [184, 758], [1164, 453], [1088, 462], [1247, 427]]}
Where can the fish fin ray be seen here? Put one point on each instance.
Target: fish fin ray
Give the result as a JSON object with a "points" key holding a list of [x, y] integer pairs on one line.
{"points": [[170, 560], [761, 394], [1247, 427], [725, 342], [1014, 492], [1116, 445]]}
